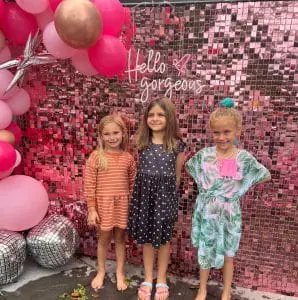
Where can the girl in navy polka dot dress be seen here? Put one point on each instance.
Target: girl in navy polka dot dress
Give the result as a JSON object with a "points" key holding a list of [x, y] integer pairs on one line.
{"points": [[154, 205]]}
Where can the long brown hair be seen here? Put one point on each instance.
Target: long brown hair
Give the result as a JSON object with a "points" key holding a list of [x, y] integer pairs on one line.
{"points": [[103, 161], [172, 134]]}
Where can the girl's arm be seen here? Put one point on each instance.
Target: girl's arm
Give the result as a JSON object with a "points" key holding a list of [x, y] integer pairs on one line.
{"points": [[132, 169], [90, 182], [179, 166]]}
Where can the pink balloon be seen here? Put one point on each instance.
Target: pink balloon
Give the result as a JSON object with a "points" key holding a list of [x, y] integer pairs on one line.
{"points": [[19, 103], [18, 159], [4, 174], [127, 16], [5, 115], [108, 56], [5, 79], [7, 156], [54, 4], [23, 202], [16, 131], [17, 24], [54, 44], [2, 8], [112, 14], [33, 7], [5, 54], [82, 63], [44, 18]]}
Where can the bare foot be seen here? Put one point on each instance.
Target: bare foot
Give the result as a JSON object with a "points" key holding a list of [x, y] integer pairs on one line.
{"points": [[121, 282], [225, 296], [201, 295], [97, 282]]}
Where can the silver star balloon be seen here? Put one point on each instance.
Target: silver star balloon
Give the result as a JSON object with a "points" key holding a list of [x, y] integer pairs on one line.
{"points": [[28, 59]]}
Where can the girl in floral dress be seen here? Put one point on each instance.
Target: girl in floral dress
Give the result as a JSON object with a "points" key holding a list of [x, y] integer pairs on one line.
{"points": [[223, 174]]}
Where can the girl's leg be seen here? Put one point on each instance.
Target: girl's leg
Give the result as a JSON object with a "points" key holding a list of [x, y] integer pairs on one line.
{"points": [[119, 237], [102, 248], [163, 262], [148, 259], [202, 293], [228, 278]]}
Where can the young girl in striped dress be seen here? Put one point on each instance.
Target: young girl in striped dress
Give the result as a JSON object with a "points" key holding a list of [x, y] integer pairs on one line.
{"points": [[109, 178]]}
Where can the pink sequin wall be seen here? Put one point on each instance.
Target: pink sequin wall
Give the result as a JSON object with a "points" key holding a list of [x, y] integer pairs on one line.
{"points": [[247, 51]]}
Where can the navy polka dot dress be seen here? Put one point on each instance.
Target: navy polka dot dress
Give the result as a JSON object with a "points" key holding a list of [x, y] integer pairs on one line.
{"points": [[154, 204]]}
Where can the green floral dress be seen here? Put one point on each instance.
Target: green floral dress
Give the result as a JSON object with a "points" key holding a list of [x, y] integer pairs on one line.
{"points": [[216, 222]]}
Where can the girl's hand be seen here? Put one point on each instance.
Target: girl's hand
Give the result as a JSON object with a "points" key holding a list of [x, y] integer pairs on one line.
{"points": [[93, 218]]}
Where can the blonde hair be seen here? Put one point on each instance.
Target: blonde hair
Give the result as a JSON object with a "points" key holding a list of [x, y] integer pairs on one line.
{"points": [[103, 161], [228, 112], [172, 134]]}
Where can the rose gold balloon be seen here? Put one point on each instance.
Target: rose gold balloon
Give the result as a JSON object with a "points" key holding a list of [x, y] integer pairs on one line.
{"points": [[7, 136], [2, 40], [78, 23]]}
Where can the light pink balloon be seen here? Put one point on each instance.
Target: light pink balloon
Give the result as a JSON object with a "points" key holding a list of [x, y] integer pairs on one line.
{"points": [[23, 202], [44, 18], [19, 103], [5, 115], [5, 79], [7, 156], [18, 159], [16, 131], [82, 63], [54, 4], [108, 56], [54, 44], [33, 7], [17, 24], [5, 54], [112, 14], [4, 174]]}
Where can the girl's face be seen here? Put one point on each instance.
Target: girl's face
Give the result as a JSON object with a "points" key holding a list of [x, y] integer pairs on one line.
{"points": [[112, 136], [156, 119], [224, 133]]}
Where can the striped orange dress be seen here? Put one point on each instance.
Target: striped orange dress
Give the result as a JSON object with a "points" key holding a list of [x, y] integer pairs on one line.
{"points": [[109, 190]]}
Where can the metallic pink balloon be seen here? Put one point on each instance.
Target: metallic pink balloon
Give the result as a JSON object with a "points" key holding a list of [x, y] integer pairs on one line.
{"points": [[7, 156]]}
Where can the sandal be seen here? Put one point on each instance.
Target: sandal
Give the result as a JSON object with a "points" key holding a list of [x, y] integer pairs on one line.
{"points": [[143, 293], [164, 292]]}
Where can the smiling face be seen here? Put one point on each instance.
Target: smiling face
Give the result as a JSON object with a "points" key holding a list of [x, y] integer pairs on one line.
{"points": [[156, 119], [224, 132], [112, 137]]}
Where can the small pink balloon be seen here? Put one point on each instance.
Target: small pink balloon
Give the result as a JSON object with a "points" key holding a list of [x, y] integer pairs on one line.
{"points": [[5, 115], [127, 16], [33, 7], [16, 131], [4, 174], [112, 14], [5, 79], [108, 56], [18, 159], [82, 63], [44, 18], [54, 4], [23, 202], [7, 156], [17, 24], [54, 44], [5, 54], [19, 103]]}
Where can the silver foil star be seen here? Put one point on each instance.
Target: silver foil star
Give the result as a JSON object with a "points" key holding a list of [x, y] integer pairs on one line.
{"points": [[28, 59]]}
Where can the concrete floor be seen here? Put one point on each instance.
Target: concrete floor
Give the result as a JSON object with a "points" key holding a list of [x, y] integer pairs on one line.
{"points": [[37, 283]]}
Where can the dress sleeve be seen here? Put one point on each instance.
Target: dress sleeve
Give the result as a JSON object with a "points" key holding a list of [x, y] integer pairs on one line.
{"points": [[132, 169], [194, 166], [180, 147], [90, 178], [253, 171]]}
